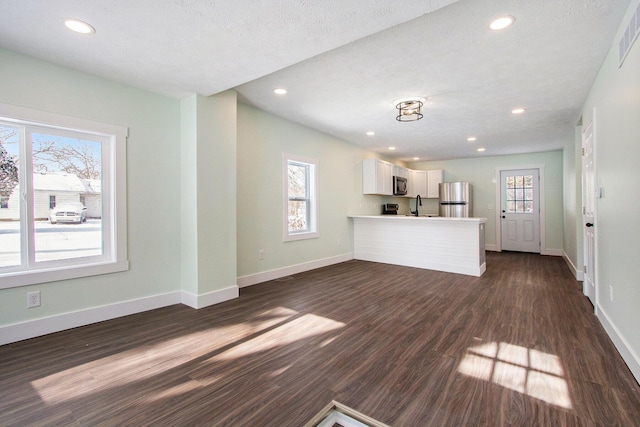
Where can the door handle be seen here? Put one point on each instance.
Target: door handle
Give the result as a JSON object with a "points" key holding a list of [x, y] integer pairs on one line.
{"points": [[589, 224]]}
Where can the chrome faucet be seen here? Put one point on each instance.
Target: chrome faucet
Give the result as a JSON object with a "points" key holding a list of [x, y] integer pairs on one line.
{"points": [[418, 202]]}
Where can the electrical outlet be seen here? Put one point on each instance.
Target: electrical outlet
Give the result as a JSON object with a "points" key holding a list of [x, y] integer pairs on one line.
{"points": [[33, 299], [611, 292], [261, 254]]}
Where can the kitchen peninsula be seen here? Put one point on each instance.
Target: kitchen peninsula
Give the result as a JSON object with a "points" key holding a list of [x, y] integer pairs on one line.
{"points": [[454, 245]]}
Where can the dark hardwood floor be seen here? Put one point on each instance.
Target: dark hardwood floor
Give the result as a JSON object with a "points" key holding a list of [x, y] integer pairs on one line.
{"points": [[408, 347]]}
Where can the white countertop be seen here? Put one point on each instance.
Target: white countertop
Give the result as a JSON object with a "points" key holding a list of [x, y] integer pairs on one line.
{"points": [[420, 218]]}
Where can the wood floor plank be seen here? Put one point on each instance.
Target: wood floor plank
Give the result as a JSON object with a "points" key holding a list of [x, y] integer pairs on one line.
{"points": [[409, 347]]}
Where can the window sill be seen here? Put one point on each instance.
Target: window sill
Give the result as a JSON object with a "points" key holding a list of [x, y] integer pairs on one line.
{"points": [[301, 236], [24, 278]]}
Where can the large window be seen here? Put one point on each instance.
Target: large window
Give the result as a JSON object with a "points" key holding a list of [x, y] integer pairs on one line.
{"points": [[63, 183], [300, 198]]}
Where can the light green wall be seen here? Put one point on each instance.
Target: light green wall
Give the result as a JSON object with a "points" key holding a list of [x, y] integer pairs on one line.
{"points": [[208, 197], [262, 139], [216, 195], [615, 97], [153, 181], [189, 194], [572, 179], [481, 173]]}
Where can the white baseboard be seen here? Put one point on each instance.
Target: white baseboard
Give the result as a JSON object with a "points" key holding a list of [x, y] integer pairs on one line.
{"points": [[265, 276], [546, 251], [626, 351], [578, 274], [551, 252], [211, 298], [47, 325], [60, 322]]}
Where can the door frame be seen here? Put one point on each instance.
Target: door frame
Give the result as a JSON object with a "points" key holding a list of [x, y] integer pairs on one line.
{"points": [[596, 296], [541, 195]]}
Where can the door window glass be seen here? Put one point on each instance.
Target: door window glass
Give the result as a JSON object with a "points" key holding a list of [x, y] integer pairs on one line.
{"points": [[519, 194]]}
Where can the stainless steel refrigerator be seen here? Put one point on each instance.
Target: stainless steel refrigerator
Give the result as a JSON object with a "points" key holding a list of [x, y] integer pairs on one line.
{"points": [[455, 199]]}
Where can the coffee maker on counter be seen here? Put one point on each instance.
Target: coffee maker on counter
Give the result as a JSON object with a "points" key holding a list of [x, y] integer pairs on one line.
{"points": [[390, 209]]}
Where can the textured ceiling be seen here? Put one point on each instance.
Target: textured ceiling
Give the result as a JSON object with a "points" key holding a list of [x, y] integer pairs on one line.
{"points": [[181, 47], [344, 62]]}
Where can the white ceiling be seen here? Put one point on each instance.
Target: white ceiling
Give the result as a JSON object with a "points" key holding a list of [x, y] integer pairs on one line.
{"points": [[344, 62]]}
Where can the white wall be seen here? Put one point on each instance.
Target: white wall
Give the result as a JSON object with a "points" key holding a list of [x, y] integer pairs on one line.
{"points": [[153, 185], [615, 98], [481, 173]]}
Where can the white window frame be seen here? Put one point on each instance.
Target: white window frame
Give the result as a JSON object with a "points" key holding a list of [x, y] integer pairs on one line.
{"points": [[313, 229], [114, 209]]}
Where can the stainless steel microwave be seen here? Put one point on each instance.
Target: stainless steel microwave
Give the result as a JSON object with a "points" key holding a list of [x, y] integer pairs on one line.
{"points": [[399, 186]]}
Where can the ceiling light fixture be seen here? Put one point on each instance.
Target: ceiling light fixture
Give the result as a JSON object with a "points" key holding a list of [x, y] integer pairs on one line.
{"points": [[371, 133], [471, 138], [280, 91], [517, 111], [416, 158], [481, 149], [79, 26], [502, 23], [392, 148], [409, 109]]}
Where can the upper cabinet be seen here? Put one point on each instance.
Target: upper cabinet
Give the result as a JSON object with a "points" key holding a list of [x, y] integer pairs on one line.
{"points": [[377, 177], [400, 171], [434, 178], [417, 183]]}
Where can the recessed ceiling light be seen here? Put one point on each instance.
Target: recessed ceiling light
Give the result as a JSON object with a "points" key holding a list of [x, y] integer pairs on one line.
{"points": [[416, 158], [481, 149], [392, 148], [502, 23], [518, 111], [371, 133], [79, 26], [280, 91], [471, 138]]}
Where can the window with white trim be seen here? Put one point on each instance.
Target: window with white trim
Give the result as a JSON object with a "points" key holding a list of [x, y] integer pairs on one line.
{"points": [[64, 183], [300, 198]]}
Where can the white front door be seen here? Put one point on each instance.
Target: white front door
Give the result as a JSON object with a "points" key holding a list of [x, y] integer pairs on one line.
{"points": [[588, 213], [520, 210]]}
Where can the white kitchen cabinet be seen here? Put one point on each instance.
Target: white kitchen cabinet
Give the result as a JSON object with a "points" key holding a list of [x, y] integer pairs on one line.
{"points": [[417, 183], [377, 177], [434, 178], [400, 171]]}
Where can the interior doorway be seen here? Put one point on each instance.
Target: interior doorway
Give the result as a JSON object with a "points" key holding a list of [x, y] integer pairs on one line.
{"points": [[589, 213], [519, 210]]}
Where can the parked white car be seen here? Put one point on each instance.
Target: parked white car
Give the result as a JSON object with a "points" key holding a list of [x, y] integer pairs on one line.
{"points": [[68, 212]]}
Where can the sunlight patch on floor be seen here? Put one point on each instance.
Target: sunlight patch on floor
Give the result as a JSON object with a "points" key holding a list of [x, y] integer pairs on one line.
{"points": [[149, 360], [305, 326], [171, 392], [525, 370]]}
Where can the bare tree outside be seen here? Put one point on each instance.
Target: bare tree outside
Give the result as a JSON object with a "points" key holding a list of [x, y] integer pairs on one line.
{"points": [[8, 166], [73, 156]]}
